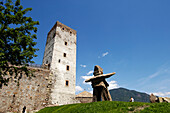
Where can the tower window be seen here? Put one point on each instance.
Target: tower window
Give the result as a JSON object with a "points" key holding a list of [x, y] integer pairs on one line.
{"points": [[59, 61], [70, 33], [49, 66], [54, 35], [68, 68], [63, 28], [66, 43], [64, 54], [67, 83]]}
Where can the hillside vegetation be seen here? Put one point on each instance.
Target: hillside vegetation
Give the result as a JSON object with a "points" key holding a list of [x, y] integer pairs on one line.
{"points": [[122, 94], [110, 107]]}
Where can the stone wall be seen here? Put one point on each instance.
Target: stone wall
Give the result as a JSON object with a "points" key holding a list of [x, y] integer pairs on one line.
{"points": [[85, 99], [32, 93]]}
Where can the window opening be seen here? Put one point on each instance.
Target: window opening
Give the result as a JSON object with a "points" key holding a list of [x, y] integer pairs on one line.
{"points": [[24, 109], [54, 35], [64, 54], [67, 83], [59, 61], [49, 66], [66, 43], [68, 68]]}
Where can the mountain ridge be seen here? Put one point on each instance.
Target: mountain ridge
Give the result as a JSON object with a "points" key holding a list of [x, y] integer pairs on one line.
{"points": [[123, 94]]}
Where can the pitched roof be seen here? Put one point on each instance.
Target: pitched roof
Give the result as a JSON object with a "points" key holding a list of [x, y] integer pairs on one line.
{"points": [[84, 94]]}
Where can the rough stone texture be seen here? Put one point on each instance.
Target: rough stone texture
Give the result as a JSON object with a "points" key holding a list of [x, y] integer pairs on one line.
{"points": [[31, 93], [85, 99], [60, 52], [100, 85], [54, 85]]}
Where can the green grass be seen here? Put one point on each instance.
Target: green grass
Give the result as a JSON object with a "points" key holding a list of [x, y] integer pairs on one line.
{"points": [[110, 107]]}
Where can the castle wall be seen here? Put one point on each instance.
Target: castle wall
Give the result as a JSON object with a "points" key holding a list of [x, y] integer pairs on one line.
{"points": [[54, 85], [31, 93]]}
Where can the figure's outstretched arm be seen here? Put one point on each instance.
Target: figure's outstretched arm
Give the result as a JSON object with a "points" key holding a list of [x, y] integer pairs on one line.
{"points": [[109, 74], [104, 75]]}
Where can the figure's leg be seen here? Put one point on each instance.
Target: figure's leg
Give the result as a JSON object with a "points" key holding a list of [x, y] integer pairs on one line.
{"points": [[94, 95], [106, 95], [99, 90], [109, 96], [97, 94]]}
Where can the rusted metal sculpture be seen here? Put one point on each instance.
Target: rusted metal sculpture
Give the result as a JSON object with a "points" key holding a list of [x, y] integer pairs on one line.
{"points": [[100, 85]]}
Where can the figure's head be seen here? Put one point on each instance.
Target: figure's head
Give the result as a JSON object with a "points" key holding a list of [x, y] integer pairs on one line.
{"points": [[97, 70]]}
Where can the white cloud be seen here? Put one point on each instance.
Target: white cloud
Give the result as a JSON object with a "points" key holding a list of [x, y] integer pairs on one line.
{"points": [[155, 74], [89, 89], [90, 72], [78, 88], [91, 92], [83, 65], [161, 71], [86, 77], [104, 54], [162, 94], [112, 85]]}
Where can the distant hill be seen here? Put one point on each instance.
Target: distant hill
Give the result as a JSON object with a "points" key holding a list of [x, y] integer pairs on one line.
{"points": [[122, 94]]}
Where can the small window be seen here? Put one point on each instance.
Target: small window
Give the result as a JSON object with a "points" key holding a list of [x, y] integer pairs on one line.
{"points": [[49, 66], [68, 68], [59, 61], [67, 83], [64, 54], [63, 28], [70, 33], [54, 35], [66, 43]]}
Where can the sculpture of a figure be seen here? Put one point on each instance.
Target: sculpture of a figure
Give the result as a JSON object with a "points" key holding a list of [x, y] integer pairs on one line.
{"points": [[154, 99], [100, 85]]}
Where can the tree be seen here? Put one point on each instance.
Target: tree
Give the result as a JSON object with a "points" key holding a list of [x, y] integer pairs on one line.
{"points": [[16, 41]]}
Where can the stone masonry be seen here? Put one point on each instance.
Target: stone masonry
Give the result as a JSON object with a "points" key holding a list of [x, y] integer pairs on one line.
{"points": [[60, 58], [31, 92], [54, 84]]}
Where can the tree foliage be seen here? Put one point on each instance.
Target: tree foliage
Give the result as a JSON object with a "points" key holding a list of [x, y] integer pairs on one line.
{"points": [[16, 40]]}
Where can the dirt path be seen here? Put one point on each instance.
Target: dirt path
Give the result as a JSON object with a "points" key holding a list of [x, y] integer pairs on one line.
{"points": [[136, 109]]}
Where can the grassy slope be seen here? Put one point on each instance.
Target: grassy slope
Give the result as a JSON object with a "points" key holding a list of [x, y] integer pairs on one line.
{"points": [[110, 107]]}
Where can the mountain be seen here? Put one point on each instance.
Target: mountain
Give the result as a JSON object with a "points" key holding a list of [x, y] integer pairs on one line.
{"points": [[122, 94]]}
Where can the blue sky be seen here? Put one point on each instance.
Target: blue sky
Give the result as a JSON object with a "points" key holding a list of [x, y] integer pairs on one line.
{"points": [[129, 37]]}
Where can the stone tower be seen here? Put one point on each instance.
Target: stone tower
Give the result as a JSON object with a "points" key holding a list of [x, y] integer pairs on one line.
{"points": [[60, 58]]}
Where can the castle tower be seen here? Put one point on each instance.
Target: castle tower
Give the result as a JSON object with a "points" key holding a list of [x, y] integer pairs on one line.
{"points": [[60, 58]]}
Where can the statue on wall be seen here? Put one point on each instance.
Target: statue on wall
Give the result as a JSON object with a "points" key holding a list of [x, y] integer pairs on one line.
{"points": [[100, 85]]}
